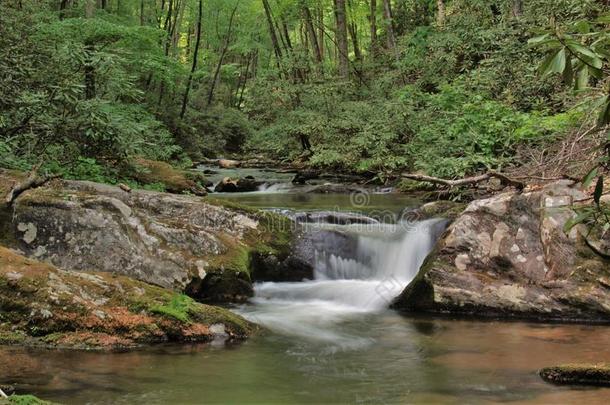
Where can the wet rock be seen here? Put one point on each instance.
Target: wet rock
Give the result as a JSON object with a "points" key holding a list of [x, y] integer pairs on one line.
{"points": [[305, 175], [577, 374], [332, 217], [508, 256], [229, 185]]}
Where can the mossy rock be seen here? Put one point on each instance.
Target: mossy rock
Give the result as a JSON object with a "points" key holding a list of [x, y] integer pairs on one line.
{"points": [[43, 306], [577, 374]]}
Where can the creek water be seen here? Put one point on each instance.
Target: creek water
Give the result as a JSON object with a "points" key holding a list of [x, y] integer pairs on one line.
{"points": [[332, 339]]}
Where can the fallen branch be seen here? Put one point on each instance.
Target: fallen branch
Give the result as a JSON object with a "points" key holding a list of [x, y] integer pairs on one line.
{"points": [[2, 394], [33, 181], [467, 180]]}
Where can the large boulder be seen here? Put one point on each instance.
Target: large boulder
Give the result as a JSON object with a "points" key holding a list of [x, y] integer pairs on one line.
{"points": [[508, 256], [45, 306], [168, 240]]}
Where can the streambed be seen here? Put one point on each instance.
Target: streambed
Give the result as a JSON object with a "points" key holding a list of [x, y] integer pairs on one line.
{"points": [[332, 339]]}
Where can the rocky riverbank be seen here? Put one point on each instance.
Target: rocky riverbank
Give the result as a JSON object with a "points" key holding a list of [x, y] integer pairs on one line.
{"points": [[508, 256], [90, 265]]}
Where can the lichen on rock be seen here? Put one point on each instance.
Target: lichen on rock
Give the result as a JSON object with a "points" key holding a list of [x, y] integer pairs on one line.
{"points": [[46, 306], [178, 242], [508, 256]]}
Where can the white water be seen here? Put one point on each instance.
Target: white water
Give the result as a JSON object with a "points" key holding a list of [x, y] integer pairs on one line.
{"points": [[386, 259]]}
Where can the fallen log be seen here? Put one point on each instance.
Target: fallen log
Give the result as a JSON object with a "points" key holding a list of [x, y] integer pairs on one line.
{"points": [[466, 181]]}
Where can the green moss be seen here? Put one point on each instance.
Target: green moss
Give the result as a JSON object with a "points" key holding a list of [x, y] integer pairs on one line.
{"points": [[12, 338], [27, 400], [178, 308], [580, 374]]}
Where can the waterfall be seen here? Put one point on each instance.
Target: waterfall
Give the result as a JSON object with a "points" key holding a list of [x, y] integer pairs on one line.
{"points": [[385, 260]]}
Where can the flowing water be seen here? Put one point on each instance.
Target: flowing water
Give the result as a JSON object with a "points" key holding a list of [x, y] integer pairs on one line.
{"points": [[332, 339]]}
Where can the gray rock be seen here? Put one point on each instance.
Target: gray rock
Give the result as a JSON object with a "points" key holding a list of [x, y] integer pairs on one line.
{"points": [[163, 239], [508, 256]]}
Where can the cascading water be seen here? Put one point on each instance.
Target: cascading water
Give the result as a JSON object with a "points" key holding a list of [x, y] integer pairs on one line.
{"points": [[364, 279]]}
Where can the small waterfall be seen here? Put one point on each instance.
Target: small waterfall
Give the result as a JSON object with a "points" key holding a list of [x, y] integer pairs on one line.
{"points": [[347, 284]]}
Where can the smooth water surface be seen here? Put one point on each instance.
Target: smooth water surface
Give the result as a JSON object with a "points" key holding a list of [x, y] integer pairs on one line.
{"points": [[400, 359]]}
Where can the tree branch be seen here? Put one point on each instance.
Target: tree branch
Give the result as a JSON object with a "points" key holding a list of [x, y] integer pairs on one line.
{"points": [[467, 180]]}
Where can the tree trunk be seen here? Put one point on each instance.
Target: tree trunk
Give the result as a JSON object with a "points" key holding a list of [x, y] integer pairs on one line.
{"points": [[142, 12], [222, 55], [321, 30], [440, 16], [341, 38], [517, 8], [373, 21], [353, 32], [389, 24], [274, 41], [312, 34], [194, 65], [89, 68]]}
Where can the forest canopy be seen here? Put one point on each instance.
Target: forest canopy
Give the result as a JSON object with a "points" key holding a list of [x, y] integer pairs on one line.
{"points": [[442, 87]]}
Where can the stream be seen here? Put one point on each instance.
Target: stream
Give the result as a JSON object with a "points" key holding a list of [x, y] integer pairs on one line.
{"points": [[331, 339]]}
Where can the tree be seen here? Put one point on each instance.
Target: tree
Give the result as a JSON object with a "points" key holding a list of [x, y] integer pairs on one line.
{"points": [[373, 25], [341, 38], [195, 57], [389, 24], [440, 16], [517, 8]]}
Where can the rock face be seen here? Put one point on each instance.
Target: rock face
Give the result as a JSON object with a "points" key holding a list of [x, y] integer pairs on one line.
{"points": [[168, 240], [42, 305], [508, 256]]}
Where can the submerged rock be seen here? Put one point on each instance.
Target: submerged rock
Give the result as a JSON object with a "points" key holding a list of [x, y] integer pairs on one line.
{"points": [[577, 374], [45, 306], [508, 256]]}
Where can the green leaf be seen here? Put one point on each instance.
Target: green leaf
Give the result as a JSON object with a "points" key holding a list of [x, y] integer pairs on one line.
{"points": [[599, 190], [582, 27], [586, 54], [568, 74], [604, 113], [539, 39], [554, 63], [586, 181], [578, 219], [582, 78]]}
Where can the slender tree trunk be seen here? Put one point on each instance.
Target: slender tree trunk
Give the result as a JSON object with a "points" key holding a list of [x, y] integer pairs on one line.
{"points": [[321, 30], [274, 41], [142, 12], [341, 38], [353, 31], [517, 8], [312, 34], [185, 98], [89, 68], [63, 5], [222, 55], [387, 16], [440, 16], [373, 22]]}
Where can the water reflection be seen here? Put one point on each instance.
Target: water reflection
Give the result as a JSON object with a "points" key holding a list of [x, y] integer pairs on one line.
{"points": [[409, 360]]}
